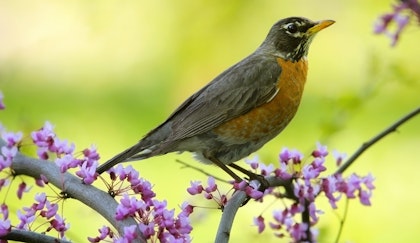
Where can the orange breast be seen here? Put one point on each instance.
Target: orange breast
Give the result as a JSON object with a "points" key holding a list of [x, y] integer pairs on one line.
{"points": [[266, 121]]}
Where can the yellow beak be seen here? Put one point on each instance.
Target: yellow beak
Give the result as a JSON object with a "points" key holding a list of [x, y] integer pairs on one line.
{"points": [[319, 26]]}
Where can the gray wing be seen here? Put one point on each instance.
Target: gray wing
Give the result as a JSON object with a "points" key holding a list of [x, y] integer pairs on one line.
{"points": [[248, 84]]}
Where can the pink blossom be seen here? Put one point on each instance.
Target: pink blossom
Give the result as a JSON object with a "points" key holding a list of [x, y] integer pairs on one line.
{"points": [[148, 230], [5, 162], [66, 162], [104, 232], [21, 189], [187, 208], [91, 153], [339, 157], [298, 231], [44, 137], [41, 198], [128, 207], [88, 173], [195, 188], [52, 209], [259, 222], [12, 139], [61, 147], [9, 152], [4, 209], [5, 226], [320, 151], [130, 233], [59, 225], [253, 162], [211, 185], [25, 219]]}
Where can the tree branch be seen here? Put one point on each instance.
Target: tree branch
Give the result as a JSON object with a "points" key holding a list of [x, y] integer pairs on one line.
{"points": [[229, 212], [31, 237], [235, 202], [307, 220], [376, 138]]}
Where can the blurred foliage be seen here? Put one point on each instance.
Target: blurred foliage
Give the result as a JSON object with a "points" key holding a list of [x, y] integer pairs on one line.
{"points": [[106, 72]]}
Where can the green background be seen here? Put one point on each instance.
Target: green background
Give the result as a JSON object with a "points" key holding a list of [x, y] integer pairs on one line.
{"points": [[106, 72]]}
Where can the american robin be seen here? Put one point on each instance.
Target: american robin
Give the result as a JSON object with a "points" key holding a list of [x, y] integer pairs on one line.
{"points": [[241, 109]]}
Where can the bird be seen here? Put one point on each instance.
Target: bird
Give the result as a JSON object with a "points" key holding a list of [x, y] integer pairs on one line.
{"points": [[242, 108]]}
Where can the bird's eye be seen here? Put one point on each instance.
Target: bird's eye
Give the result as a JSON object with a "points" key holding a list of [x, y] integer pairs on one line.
{"points": [[291, 28]]}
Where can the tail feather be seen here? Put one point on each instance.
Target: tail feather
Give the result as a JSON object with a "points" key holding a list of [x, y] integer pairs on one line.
{"points": [[135, 152], [150, 145]]}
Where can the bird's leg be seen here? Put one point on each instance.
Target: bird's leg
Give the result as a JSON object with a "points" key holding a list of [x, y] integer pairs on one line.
{"points": [[217, 162], [252, 176], [231, 173]]}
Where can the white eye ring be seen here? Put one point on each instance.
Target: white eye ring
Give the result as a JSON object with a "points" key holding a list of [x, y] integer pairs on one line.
{"points": [[291, 28]]}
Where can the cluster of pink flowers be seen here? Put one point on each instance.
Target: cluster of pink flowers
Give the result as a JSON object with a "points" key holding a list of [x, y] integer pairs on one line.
{"points": [[46, 142], [41, 208], [155, 221], [307, 182], [44, 209], [5, 225], [49, 144], [8, 152], [210, 192], [400, 16]]}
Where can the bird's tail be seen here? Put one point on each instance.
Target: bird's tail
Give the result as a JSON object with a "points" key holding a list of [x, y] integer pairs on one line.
{"points": [[135, 152]]}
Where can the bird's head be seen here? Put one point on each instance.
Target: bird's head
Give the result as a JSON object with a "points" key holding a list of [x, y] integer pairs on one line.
{"points": [[290, 38]]}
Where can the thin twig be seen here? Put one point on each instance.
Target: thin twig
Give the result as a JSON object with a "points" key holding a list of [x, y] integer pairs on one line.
{"points": [[201, 171], [340, 230], [375, 139]]}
